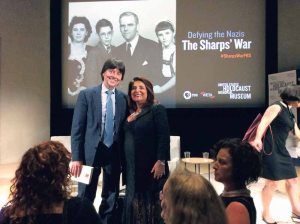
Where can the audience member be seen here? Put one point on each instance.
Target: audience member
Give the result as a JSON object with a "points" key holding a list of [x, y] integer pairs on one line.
{"points": [[188, 198], [40, 191], [237, 165], [147, 149], [277, 162]]}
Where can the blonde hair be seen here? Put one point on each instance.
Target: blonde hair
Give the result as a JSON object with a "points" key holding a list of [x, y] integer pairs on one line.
{"points": [[193, 200]]}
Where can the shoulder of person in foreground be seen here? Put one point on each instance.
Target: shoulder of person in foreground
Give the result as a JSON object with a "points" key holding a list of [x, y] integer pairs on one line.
{"points": [[237, 213], [3, 219], [81, 210]]}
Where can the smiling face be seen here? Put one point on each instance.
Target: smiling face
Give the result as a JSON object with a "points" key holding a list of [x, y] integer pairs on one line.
{"points": [[112, 78], [139, 93], [128, 27], [165, 37], [79, 32], [223, 166], [105, 35]]}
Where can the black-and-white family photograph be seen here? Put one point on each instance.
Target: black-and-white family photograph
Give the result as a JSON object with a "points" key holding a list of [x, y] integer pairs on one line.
{"points": [[140, 33]]}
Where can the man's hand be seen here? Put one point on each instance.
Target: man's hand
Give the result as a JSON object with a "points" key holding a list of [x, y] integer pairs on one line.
{"points": [[75, 168]]}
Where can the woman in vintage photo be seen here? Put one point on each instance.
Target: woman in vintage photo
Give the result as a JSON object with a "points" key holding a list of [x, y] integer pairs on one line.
{"points": [[165, 33], [79, 32]]}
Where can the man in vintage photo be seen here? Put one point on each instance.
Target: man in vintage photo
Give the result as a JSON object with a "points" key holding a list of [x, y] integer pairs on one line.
{"points": [[101, 52], [105, 31], [141, 56]]}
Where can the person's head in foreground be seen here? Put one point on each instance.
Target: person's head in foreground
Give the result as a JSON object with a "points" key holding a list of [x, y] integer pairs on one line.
{"points": [[41, 181], [188, 198]]}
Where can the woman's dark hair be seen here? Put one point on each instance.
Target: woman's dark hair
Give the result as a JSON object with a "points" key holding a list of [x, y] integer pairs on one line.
{"points": [[246, 161], [150, 93], [113, 63], [290, 93], [164, 25], [83, 20], [42, 179]]}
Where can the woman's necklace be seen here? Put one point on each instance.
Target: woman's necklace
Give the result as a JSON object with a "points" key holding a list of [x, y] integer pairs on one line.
{"points": [[236, 193], [135, 113], [133, 116]]}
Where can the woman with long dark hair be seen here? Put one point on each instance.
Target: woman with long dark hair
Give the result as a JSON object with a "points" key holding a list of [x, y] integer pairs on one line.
{"points": [[147, 150]]}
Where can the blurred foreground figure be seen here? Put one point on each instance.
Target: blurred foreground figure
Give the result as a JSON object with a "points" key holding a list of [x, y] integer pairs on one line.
{"points": [[188, 198], [40, 191]]}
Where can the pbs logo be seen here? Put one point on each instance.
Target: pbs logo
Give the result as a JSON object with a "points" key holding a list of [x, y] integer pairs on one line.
{"points": [[187, 95]]}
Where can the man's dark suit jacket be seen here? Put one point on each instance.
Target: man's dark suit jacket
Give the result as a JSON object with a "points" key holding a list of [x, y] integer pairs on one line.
{"points": [[86, 125], [145, 61]]}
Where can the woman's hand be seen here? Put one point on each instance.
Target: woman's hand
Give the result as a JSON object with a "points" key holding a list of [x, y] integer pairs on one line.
{"points": [[75, 168], [257, 144], [158, 169], [269, 115]]}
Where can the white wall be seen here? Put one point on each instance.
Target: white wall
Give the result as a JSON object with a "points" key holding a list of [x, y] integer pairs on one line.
{"points": [[24, 76]]}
